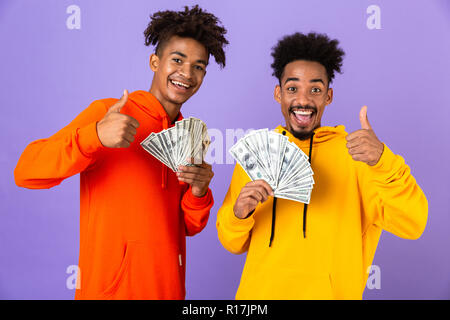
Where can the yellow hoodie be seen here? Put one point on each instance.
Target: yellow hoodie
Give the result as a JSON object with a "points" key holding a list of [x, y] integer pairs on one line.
{"points": [[351, 204]]}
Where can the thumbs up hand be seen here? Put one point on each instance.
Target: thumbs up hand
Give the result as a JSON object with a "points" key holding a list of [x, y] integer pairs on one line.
{"points": [[363, 145], [117, 130]]}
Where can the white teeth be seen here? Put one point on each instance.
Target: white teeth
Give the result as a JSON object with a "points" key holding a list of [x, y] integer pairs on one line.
{"points": [[180, 83], [303, 112]]}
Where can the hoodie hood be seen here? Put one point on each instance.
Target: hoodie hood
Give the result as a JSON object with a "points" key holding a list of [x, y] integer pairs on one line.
{"points": [[148, 103], [321, 135]]}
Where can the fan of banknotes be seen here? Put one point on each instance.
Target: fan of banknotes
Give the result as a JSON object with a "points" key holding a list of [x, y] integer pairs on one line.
{"points": [[270, 156], [185, 143]]}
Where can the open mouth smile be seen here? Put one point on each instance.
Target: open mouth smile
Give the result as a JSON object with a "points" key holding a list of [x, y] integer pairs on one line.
{"points": [[302, 117], [180, 85]]}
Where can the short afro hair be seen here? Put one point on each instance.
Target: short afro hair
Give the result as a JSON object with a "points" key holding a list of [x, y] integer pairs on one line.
{"points": [[192, 23], [310, 47]]}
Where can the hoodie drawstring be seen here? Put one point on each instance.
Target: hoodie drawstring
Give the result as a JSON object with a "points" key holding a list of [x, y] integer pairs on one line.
{"points": [[274, 209], [305, 206], [164, 168]]}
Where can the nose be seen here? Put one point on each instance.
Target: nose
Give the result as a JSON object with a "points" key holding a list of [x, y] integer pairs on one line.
{"points": [[185, 71], [302, 98]]}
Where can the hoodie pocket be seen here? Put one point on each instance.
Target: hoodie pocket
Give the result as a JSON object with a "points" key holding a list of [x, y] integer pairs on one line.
{"points": [[308, 285], [122, 271], [287, 284]]}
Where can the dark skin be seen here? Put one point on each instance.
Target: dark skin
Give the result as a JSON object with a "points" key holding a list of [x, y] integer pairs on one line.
{"points": [[182, 60], [251, 194], [303, 94], [304, 87], [117, 130], [363, 145], [179, 69], [198, 176]]}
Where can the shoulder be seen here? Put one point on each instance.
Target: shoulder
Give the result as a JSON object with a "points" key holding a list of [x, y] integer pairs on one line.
{"points": [[103, 104]]}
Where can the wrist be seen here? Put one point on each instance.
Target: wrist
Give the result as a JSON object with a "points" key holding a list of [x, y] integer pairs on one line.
{"points": [[243, 216], [199, 193], [380, 151], [88, 139]]}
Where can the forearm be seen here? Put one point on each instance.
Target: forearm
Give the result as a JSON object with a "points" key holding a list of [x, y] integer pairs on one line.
{"points": [[47, 162], [402, 205], [233, 232]]}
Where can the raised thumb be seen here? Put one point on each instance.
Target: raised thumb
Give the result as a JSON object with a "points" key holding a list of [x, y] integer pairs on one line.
{"points": [[119, 104], [363, 119]]}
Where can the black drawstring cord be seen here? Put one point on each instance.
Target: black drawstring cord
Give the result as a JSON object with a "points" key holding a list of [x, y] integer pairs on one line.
{"points": [[305, 207], [274, 209], [274, 212]]}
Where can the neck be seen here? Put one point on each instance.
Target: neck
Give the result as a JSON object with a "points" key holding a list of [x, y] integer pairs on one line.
{"points": [[172, 109]]}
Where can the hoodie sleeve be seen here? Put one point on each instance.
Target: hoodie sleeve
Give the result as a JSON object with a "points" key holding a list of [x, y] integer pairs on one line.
{"points": [[234, 233], [398, 205], [47, 162], [196, 211]]}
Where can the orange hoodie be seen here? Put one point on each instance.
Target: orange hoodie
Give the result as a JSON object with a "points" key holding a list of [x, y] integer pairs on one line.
{"points": [[134, 213]]}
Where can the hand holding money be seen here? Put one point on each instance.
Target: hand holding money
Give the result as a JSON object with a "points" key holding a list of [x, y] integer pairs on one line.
{"points": [[117, 130], [251, 194], [183, 144], [363, 145], [270, 156], [198, 176]]}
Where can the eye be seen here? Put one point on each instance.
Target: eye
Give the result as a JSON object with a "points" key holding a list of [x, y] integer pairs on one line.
{"points": [[291, 89], [316, 90], [200, 68], [176, 60]]}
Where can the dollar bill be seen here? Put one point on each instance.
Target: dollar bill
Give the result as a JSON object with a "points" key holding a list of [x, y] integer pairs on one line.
{"points": [[154, 150], [186, 143], [299, 198], [248, 162], [269, 155]]}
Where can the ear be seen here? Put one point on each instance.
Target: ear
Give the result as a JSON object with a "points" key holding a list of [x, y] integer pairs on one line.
{"points": [[154, 62], [329, 96], [277, 93]]}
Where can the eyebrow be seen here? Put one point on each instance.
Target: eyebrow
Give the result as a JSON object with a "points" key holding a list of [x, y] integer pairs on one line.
{"points": [[185, 56], [297, 79]]}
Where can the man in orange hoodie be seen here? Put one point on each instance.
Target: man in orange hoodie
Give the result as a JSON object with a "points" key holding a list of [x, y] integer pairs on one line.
{"points": [[134, 213]]}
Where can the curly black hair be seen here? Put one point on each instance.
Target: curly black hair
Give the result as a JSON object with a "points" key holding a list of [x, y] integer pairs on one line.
{"points": [[311, 47], [192, 23]]}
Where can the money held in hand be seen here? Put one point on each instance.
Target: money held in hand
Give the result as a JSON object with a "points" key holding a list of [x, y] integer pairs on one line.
{"points": [[184, 144], [270, 156]]}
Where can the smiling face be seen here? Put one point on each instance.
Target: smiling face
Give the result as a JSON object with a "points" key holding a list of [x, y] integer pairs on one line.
{"points": [[179, 69], [303, 95]]}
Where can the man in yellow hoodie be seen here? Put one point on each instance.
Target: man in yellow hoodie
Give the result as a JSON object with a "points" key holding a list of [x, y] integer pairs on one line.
{"points": [[321, 250]]}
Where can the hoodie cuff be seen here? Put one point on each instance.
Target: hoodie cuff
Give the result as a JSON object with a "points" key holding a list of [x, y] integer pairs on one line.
{"points": [[88, 140], [239, 224], [387, 166], [198, 202]]}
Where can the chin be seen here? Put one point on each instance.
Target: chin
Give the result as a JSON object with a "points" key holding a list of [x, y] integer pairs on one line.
{"points": [[178, 100], [302, 135]]}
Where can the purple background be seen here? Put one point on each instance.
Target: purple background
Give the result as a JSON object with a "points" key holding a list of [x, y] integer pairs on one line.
{"points": [[49, 74]]}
